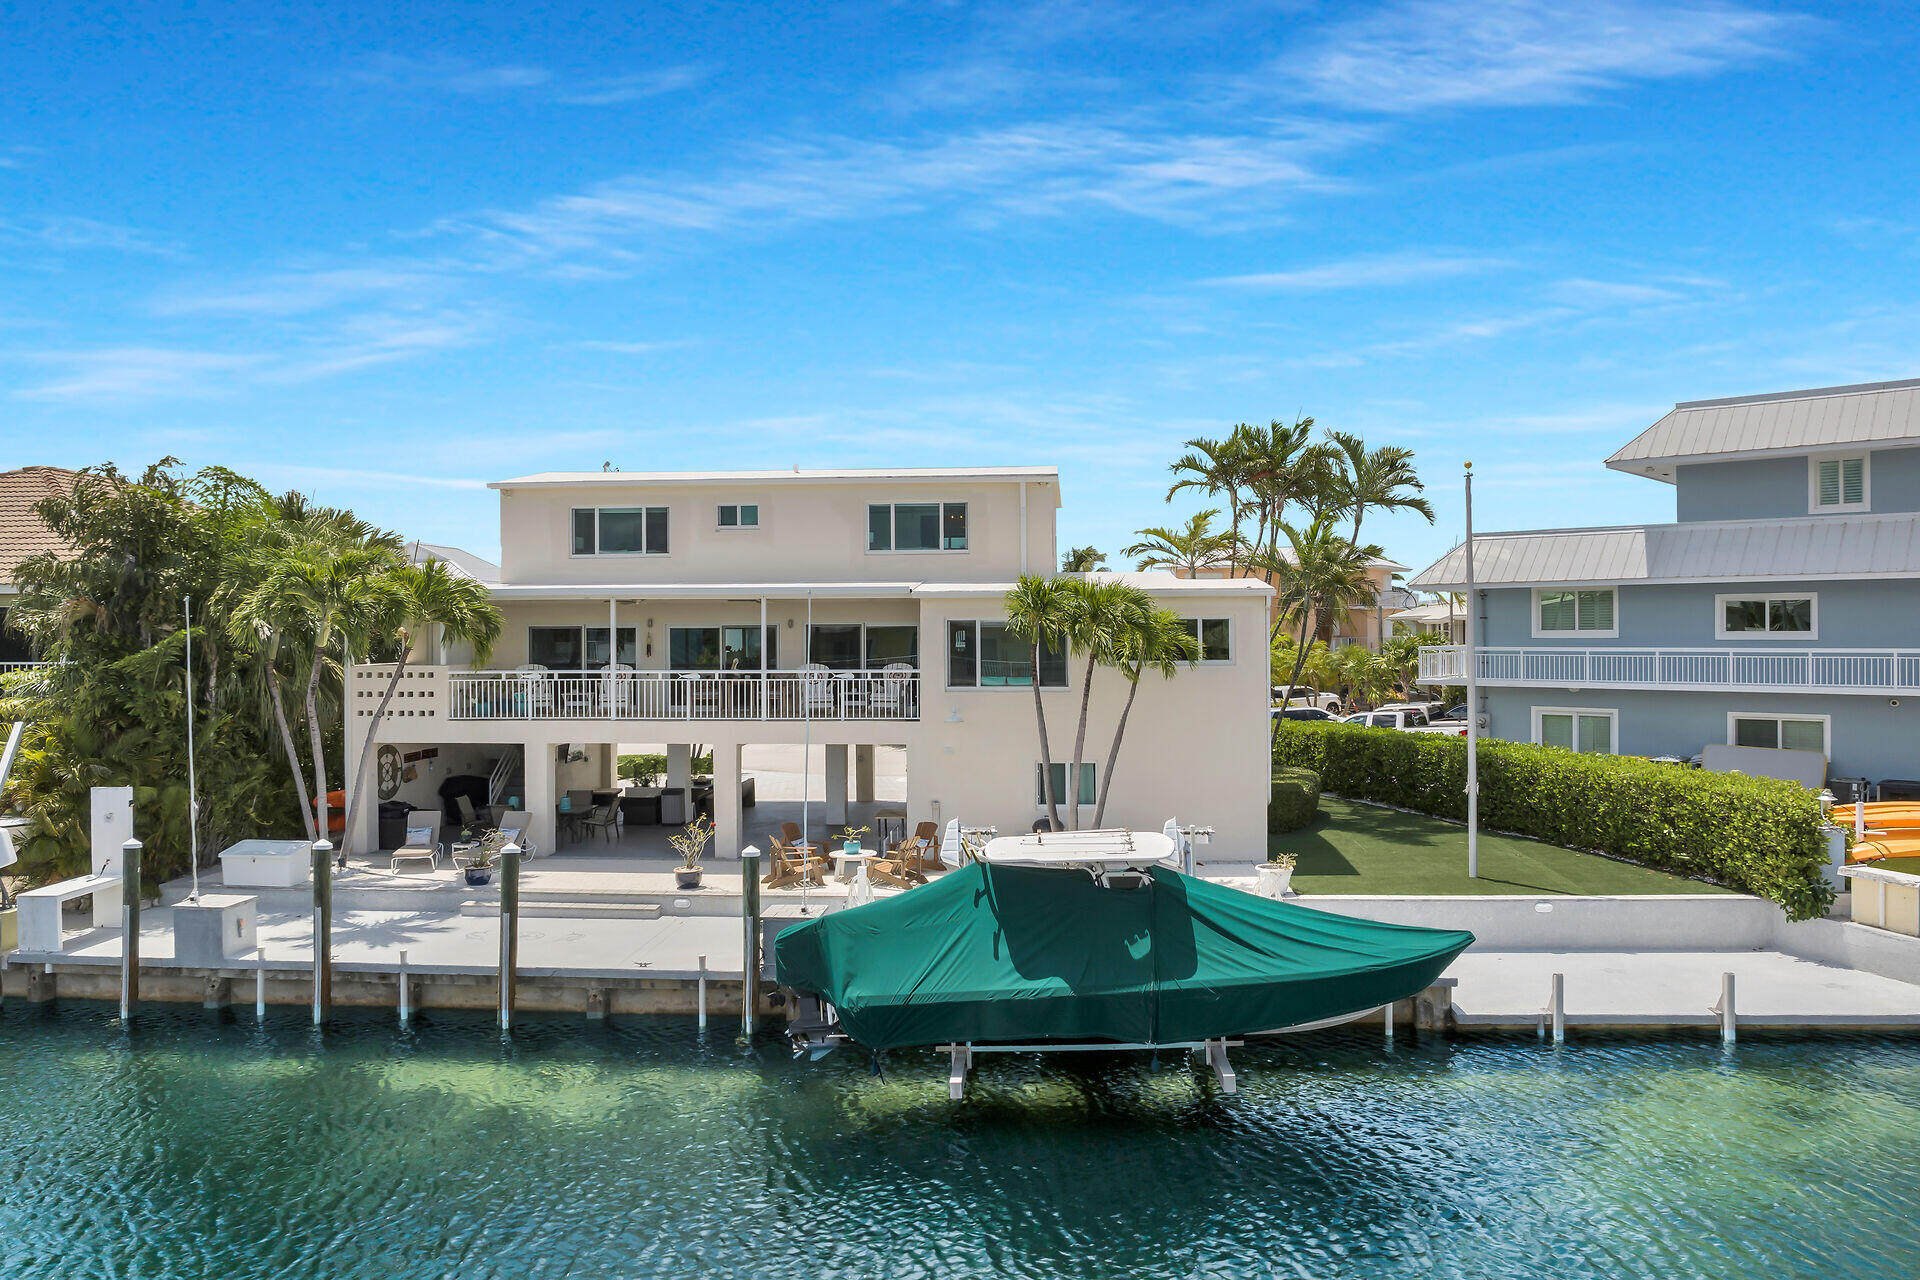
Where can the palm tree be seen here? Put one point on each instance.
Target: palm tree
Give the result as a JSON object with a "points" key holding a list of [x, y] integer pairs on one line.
{"points": [[1100, 614], [1158, 640], [325, 594], [1083, 560], [1323, 574], [410, 600], [1380, 479], [1281, 470], [1195, 547], [1038, 610], [1218, 469]]}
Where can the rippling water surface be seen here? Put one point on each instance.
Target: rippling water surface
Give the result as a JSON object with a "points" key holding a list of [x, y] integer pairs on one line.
{"points": [[203, 1146]]}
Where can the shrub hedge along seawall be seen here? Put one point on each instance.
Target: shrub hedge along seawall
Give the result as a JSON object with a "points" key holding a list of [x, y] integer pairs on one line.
{"points": [[1757, 835], [1295, 799]]}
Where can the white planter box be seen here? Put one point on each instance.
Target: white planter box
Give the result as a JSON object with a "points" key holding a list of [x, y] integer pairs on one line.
{"points": [[267, 864]]}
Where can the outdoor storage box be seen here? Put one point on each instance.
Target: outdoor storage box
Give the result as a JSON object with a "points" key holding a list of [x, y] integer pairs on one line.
{"points": [[215, 929], [267, 864]]}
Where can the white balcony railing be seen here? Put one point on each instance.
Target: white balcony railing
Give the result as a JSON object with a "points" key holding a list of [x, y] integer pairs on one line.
{"points": [[1867, 671], [683, 695], [6, 668]]}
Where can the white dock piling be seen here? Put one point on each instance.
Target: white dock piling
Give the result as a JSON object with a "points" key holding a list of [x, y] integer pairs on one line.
{"points": [[260, 988], [406, 1007], [1725, 1009], [1558, 1008], [703, 993], [1388, 1011], [750, 939]]}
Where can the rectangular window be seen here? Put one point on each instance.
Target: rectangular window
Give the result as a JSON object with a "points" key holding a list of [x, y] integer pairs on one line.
{"points": [[1766, 617], [1579, 612], [835, 645], [1791, 733], [1575, 729], [985, 655], [1837, 484], [917, 526], [693, 648], [739, 515], [555, 648], [619, 531], [740, 648], [1086, 775], [1213, 637], [887, 645]]}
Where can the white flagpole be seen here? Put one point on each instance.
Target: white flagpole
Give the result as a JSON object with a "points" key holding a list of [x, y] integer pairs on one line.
{"points": [[1473, 706], [193, 790]]}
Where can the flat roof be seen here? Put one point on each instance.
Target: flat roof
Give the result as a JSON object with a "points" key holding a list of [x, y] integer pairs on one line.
{"points": [[794, 475]]}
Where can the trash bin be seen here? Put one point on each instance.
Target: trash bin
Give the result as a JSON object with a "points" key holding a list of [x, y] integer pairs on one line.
{"points": [[393, 823], [673, 806]]}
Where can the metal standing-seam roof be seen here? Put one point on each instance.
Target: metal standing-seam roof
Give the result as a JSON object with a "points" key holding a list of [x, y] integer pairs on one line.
{"points": [[1864, 546], [1881, 413]]}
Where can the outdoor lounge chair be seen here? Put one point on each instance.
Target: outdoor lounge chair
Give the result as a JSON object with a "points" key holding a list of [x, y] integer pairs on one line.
{"points": [[901, 868], [513, 824], [919, 854], [791, 865], [472, 817], [817, 682], [423, 840], [892, 693]]}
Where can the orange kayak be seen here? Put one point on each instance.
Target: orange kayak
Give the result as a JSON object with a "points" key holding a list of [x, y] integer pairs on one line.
{"points": [[1880, 845], [1884, 813]]}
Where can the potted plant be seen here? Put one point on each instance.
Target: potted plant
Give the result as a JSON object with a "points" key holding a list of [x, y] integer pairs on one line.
{"points": [[1274, 876], [482, 858], [691, 844], [850, 839]]}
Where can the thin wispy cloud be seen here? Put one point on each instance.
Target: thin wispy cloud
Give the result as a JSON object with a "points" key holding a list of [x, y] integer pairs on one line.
{"points": [[1612, 293], [639, 86], [62, 232], [439, 73], [121, 374], [1424, 54], [637, 348], [297, 292], [1038, 170], [1380, 271]]}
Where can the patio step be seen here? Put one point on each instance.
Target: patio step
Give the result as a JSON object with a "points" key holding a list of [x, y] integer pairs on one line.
{"points": [[568, 910]]}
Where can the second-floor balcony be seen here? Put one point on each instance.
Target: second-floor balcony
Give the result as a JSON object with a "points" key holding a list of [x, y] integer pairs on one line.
{"points": [[817, 693], [1862, 671]]}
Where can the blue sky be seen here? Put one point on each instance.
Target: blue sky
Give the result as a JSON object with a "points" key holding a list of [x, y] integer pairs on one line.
{"points": [[385, 257]]}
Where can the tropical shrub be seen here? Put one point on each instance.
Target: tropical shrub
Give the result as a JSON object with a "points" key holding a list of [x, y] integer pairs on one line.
{"points": [[1757, 835], [1295, 800], [648, 768]]}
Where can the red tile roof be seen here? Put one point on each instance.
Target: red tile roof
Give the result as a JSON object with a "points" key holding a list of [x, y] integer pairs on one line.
{"points": [[22, 532]]}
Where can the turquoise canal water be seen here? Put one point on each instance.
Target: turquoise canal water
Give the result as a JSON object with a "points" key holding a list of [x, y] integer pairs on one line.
{"points": [[198, 1146]]}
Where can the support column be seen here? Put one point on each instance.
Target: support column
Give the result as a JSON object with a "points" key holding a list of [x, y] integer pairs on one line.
{"points": [[863, 774], [680, 765], [836, 783], [541, 796], [729, 829]]}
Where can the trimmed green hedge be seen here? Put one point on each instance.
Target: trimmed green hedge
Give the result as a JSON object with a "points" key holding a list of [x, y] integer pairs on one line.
{"points": [[650, 767], [1757, 835], [1295, 799]]}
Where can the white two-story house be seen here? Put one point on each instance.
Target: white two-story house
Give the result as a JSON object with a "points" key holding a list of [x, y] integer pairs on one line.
{"points": [[1780, 609], [850, 609]]}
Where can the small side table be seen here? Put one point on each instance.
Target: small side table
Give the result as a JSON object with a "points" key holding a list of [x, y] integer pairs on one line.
{"points": [[463, 851]]}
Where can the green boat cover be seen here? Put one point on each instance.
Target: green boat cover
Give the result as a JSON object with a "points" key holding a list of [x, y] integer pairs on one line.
{"points": [[1011, 954]]}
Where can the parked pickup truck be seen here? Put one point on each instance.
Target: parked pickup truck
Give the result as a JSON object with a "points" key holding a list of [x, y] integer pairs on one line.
{"points": [[1407, 719]]}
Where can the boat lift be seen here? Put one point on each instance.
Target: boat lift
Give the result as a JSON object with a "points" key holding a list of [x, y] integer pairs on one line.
{"points": [[960, 1057]]}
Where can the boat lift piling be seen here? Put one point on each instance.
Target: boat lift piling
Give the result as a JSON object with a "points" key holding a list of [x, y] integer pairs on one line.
{"points": [[260, 987], [129, 928], [702, 997], [406, 1010], [750, 939], [1725, 1009], [1555, 1014], [509, 930], [322, 930]]}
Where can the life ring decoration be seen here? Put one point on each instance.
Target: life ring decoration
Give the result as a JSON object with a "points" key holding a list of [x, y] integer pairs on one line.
{"points": [[387, 764]]}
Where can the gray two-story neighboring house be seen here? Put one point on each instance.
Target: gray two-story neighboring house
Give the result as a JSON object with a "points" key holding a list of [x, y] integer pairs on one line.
{"points": [[1781, 608]]}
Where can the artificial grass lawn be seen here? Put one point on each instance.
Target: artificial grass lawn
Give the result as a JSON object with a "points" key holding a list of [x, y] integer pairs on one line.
{"points": [[1361, 848]]}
